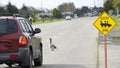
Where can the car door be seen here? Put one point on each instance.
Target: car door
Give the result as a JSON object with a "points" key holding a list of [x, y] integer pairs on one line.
{"points": [[34, 38], [25, 31]]}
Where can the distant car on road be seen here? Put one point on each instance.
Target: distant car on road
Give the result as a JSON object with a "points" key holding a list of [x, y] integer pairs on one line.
{"points": [[68, 18], [19, 42], [75, 16]]}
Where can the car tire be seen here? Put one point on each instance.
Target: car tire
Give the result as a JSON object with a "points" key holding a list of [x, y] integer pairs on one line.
{"points": [[28, 62], [38, 61]]}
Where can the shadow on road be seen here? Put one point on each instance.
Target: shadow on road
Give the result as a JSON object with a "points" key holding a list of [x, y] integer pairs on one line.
{"points": [[57, 66], [61, 66]]}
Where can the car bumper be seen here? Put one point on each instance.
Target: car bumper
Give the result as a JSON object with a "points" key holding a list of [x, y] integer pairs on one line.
{"points": [[5, 57]]}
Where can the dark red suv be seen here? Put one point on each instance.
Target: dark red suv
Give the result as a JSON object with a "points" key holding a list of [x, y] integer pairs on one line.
{"points": [[19, 43]]}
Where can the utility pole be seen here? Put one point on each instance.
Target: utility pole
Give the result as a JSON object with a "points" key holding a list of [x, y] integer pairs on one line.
{"points": [[41, 6], [94, 3], [9, 1], [104, 1], [98, 3]]}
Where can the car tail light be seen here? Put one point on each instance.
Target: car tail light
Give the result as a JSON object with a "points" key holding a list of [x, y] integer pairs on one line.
{"points": [[14, 56], [23, 41]]}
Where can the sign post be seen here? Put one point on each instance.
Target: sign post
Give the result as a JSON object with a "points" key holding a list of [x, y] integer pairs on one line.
{"points": [[105, 49], [105, 24]]}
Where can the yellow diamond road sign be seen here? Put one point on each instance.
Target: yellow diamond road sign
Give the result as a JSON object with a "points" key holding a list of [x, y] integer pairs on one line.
{"points": [[104, 23]]}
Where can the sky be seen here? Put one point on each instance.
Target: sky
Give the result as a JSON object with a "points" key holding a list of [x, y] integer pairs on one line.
{"points": [[50, 4]]}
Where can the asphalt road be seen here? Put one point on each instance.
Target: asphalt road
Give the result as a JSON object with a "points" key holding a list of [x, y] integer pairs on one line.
{"points": [[76, 44]]}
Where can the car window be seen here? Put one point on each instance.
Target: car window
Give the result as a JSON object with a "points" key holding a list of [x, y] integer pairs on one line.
{"points": [[26, 27], [29, 27], [8, 26], [22, 26]]}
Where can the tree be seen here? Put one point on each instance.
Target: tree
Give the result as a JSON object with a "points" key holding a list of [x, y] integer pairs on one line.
{"points": [[27, 11], [85, 9], [2, 10], [57, 13], [78, 12], [116, 4], [24, 11], [11, 8], [32, 12], [67, 7], [100, 9], [108, 5]]}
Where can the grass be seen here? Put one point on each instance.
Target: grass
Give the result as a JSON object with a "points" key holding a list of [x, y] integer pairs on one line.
{"points": [[117, 19], [45, 21]]}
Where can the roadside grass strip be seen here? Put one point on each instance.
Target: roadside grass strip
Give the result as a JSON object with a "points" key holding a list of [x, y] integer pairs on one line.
{"points": [[98, 58]]}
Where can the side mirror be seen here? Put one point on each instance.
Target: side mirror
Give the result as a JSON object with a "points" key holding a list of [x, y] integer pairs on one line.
{"points": [[37, 30]]}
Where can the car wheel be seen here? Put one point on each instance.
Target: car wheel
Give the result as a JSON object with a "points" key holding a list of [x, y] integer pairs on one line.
{"points": [[38, 61], [28, 62]]}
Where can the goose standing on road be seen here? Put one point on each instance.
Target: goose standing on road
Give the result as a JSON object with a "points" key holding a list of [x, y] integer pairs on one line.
{"points": [[52, 46]]}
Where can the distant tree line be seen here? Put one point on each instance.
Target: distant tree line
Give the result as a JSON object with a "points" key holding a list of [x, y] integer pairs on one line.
{"points": [[85, 10], [67, 7], [8, 9], [70, 7], [25, 11]]}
